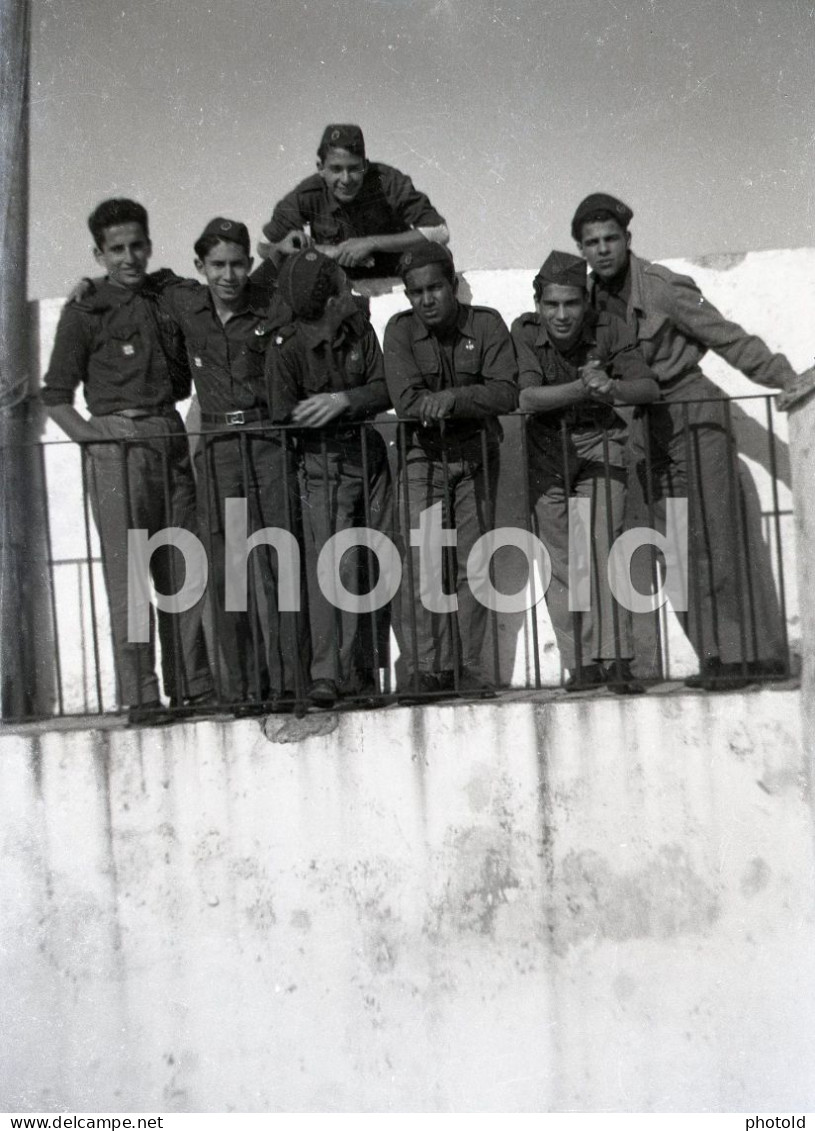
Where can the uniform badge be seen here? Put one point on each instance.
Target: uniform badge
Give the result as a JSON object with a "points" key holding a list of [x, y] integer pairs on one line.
{"points": [[260, 330], [128, 350], [470, 345], [225, 225], [198, 363], [310, 256], [278, 340]]}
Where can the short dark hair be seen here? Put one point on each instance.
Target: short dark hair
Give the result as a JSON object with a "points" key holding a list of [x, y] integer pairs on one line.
{"points": [[598, 216], [118, 210], [204, 245]]}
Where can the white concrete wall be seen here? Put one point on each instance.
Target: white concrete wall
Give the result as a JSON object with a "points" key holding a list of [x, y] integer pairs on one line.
{"points": [[527, 906]]}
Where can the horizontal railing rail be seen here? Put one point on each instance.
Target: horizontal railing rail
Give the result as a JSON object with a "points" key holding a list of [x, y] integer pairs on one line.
{"points": [[467, 620]]}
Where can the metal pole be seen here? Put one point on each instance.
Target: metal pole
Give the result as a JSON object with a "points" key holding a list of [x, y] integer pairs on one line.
{"points": [[24, 602]]}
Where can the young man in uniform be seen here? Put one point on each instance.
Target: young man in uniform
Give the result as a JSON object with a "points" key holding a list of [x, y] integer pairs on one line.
{"points": [[129, 357], [450, 367], [732, 620], [326, 375], [227, 326], [361, 213], [574, 366]]}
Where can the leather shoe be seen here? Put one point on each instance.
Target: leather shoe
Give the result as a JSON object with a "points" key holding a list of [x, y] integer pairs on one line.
{"points": [[583, 679], [323, 693], [620, 679], [420, 687], [472, 685], [716, 676], [150, 715]]}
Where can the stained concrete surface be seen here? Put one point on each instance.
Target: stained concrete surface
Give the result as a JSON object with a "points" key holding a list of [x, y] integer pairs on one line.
{"points": [[525, 906]]}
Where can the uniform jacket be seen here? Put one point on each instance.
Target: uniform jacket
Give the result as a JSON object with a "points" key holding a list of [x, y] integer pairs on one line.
{"points": [[386, 204], [603, 338], [122, 347], [676, 326], [305, 359], [485, 370], [227, 360]]}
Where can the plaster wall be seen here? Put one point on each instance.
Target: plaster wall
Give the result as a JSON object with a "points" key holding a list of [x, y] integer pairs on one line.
{"points": [[539, 904]]}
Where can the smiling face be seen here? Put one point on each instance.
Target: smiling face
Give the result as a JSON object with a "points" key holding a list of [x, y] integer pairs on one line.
{"points": [[432, 295], [124, 254], [605, 244], [563, 310], [226, 268], [343, 172]]}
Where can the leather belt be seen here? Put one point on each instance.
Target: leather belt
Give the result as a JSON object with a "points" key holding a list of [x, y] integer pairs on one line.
{"points": [[236, 417], [142, 413]]}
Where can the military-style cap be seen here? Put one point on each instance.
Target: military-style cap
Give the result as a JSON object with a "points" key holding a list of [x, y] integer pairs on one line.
{"points": [[563, 269], [305, 282], [423, 255], [344, 137], [600, 202], [225, 229]]}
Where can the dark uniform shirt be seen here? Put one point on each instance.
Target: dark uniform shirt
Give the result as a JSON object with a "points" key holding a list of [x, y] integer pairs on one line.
{"points": [[478, 362], [305, 359], [122, 347], [227, 359], [386, 204], [602, 338]]}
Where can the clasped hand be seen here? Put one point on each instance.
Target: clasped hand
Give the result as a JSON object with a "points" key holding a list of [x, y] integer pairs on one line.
{"points": [[596, 382], [319, 409]]}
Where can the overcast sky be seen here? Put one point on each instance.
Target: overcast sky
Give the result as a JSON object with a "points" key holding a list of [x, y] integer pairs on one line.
{"points": [[699, 113]]}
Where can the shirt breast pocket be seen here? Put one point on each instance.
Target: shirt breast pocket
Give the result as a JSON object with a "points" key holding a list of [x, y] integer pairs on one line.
{"points": [[428, 363], [355, 367], [468, 363], [125, 354], [257, 345]]}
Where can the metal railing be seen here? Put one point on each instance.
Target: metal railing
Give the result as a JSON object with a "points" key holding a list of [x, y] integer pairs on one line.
{"points": [[381, 476]]}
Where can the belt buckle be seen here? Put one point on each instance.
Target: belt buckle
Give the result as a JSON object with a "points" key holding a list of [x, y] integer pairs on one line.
{"points": [[237, 417]]}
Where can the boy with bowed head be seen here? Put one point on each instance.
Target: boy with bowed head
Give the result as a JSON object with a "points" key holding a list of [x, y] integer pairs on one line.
{"points": [[326, 375]]}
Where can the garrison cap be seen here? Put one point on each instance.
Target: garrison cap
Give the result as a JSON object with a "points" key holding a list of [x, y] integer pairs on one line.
{"points": [[225, 229], [306, 281], [563, 269], [600, 202], [423, 255], [343, 137]]}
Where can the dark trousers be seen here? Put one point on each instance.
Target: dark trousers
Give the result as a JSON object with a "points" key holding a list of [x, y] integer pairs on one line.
{"points": [[689, 452], [345, 647], [260, 651], [605, 631], [145, 481], [466, 489]]}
